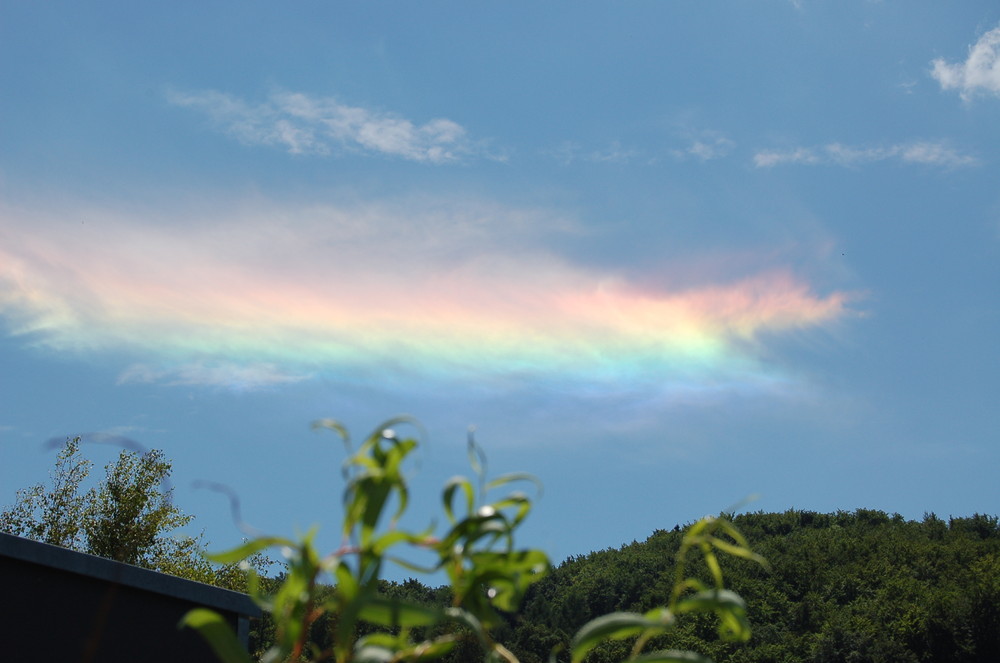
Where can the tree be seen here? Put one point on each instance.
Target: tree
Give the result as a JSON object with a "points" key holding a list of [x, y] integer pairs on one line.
{"points": [[130, 514], [128, 517], [56, 516]]}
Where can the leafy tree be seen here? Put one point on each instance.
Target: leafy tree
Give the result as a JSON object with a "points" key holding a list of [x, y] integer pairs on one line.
{"points": [[54, 516], [128, 517], [130, 514]]}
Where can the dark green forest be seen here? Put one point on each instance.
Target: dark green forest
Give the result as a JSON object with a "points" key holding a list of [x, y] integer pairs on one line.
{"points": [[843, 587]]}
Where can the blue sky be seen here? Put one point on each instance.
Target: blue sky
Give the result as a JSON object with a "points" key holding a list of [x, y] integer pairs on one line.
{"points": [[663, 255]]}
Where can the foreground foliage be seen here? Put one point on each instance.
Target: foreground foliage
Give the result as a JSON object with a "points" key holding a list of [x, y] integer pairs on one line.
{"points": [[356, 619]]}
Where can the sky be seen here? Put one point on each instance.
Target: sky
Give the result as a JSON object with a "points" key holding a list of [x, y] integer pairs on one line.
{"points": [[668, 257]]}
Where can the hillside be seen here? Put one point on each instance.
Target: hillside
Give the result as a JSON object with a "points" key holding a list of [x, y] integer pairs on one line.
{"points": [[859, 586]]}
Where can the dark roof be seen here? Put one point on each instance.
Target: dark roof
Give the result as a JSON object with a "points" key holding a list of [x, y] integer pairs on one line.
{"points": [[92, 566]]}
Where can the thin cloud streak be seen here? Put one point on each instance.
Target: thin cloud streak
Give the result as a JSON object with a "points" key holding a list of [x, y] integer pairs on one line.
{"points": [[770, 158], [570, 152], [227, 375], [927, 153], [305, 124], [705, 145], [979, 73]]}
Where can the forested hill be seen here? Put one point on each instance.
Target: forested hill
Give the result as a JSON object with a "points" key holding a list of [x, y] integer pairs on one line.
{"points": [[859, 586]]}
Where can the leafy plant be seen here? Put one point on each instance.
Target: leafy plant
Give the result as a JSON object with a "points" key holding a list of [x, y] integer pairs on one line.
{"points": [[488, 574]]}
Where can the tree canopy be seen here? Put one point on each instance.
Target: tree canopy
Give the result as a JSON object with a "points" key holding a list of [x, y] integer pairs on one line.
{"points": [[129, 516], [862, 586]]}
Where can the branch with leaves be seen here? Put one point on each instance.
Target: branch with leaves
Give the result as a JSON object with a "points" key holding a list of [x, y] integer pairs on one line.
{"points": [[488, 573]]}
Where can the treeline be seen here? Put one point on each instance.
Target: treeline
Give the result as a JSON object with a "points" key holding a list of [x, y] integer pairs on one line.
{"points": [[843, 587]]}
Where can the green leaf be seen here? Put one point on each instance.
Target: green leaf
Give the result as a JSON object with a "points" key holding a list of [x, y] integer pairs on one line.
{"points": [[709, 600], [613, 626], [388, 424], [250, 547], [347, 586], [448, 496], [382, 543], [729, 607], [470, 621], [514, 477], [374, 654], [432, 649], [477, 458], [396, 612], [739, 551], [217, 633], [410, 566], [518, 499], [712, 562], [726, 526], [335, 426]]}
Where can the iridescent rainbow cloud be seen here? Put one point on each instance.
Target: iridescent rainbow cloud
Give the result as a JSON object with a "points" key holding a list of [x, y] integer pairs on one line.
{"points": [[268, 293]]}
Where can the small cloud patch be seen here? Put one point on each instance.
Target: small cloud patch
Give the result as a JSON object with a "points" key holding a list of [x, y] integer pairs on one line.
{"points": [[979, 73]]}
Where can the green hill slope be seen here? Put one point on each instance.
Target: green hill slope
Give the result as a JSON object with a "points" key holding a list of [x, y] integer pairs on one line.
{"points": [[844, 587]]}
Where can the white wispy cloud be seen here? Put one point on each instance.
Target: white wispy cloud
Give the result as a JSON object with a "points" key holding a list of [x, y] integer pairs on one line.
{"points": [[569, 152], [705, 146], [930, 153], [614, 153], [979, 73], [769, 158], [305, 124], [227, 375]]}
